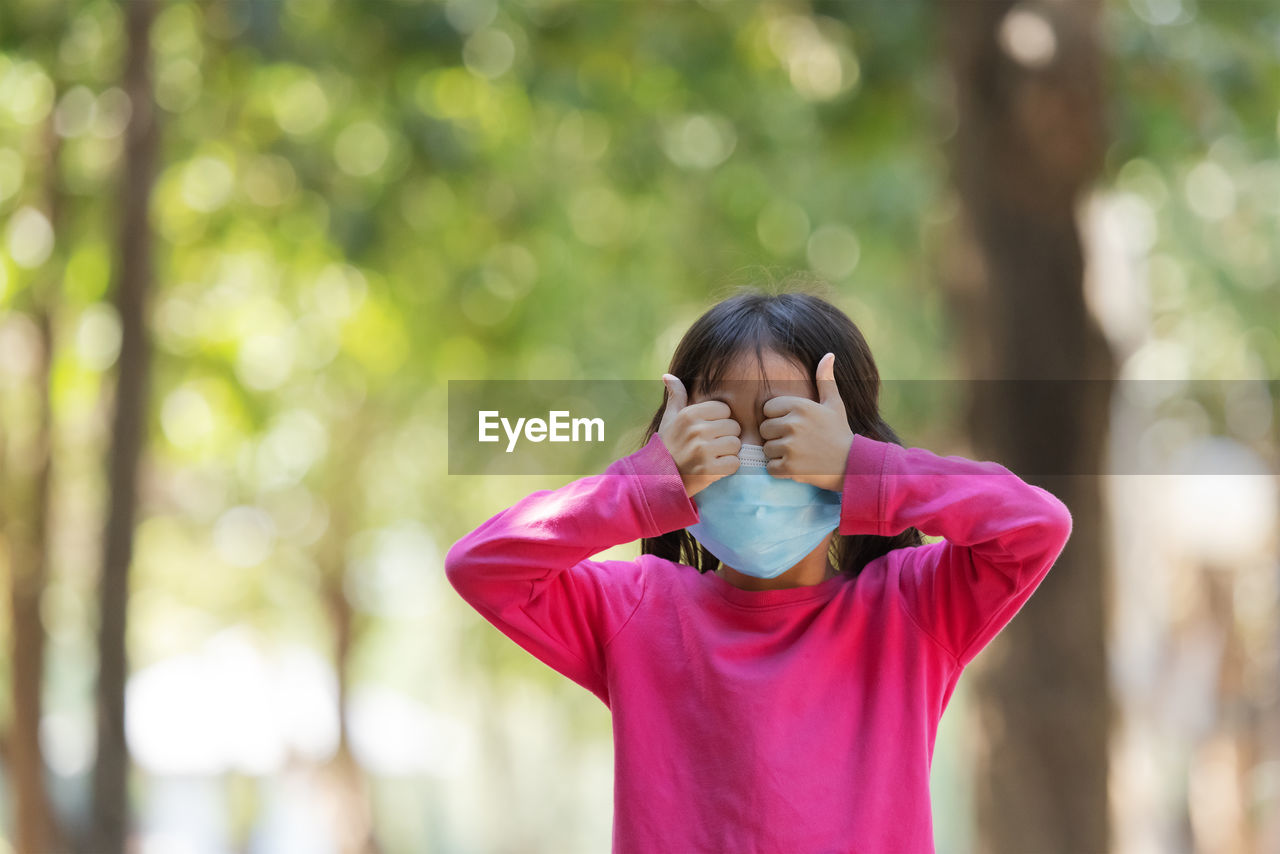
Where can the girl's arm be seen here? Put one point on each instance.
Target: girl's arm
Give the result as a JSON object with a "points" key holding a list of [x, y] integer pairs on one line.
{"points": [[526, 569], [1001, 536]]}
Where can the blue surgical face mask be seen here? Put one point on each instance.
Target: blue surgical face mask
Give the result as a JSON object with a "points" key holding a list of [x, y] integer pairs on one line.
{"points": [[759, 524]]}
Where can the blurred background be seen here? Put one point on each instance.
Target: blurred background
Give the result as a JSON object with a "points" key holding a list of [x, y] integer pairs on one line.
{"points": [[244, 245]]}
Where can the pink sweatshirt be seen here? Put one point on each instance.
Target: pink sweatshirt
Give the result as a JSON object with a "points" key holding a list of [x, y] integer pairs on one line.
{"points": [[790, 721]]}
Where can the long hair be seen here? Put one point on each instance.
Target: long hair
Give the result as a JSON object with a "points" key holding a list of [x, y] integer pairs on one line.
{"points": [[803, 327]]}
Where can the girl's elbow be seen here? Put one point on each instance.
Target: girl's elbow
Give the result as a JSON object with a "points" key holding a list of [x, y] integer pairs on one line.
{"points": [[457, 564], [1057, 519], [1066, 524]]}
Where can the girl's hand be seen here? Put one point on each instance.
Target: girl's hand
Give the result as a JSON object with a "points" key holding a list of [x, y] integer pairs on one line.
{"points": [[806, 441], [702, 438]]}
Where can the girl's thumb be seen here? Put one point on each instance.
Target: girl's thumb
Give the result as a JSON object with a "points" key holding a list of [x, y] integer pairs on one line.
{"points": [[676, 397]]}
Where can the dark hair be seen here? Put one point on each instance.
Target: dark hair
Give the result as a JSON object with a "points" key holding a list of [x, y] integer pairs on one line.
{"points": [[803, 327]]}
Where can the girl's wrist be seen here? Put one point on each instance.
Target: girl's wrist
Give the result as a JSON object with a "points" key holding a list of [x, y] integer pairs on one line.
{"points": [[835, 482]]}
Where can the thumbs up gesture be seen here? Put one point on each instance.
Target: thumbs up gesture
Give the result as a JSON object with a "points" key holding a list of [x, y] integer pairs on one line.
{"points": [[702, 438], [809, 441]]}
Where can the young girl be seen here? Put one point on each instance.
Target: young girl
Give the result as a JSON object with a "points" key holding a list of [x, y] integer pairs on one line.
{"points": [[778, 658]]}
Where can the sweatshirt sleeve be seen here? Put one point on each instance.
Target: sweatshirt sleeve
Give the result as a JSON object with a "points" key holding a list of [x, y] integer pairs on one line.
{"points": [[526, 570], [1000, 536]]}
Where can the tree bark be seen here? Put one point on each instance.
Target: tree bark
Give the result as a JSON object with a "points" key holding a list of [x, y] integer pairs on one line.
{"points": [[26, 524], [344, 781], [1029, 141], [133, 275]]}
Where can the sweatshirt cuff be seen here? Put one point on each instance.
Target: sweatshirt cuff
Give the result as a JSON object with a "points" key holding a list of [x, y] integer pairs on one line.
{"points": [[670, 507], [862, 497]]}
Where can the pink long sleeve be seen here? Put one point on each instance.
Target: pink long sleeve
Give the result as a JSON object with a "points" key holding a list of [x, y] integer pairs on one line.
{"points": [[1001, 536], [526, 570], [797, 719]]}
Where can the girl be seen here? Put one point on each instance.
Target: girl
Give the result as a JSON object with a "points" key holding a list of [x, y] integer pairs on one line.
{"points": [[778, 658]]}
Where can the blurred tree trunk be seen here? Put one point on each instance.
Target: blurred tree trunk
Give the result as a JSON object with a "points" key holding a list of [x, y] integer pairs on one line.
{"points": [[26, 524], [1029, 142], [133, 274], [343, 777]]}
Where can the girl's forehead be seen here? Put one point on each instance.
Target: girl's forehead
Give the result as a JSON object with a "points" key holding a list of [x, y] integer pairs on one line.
{"points": [[776, 367], [759, 390], [745, 380]]}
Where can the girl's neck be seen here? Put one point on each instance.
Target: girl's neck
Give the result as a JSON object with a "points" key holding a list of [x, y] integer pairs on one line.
{"points": [[804, 574]]}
